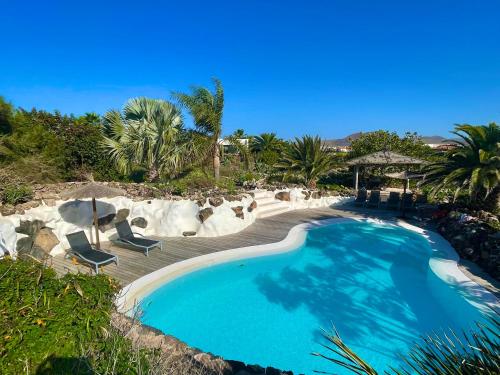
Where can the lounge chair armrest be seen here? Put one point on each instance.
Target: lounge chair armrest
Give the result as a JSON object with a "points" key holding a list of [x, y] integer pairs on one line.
{"points": [[138, 234]]}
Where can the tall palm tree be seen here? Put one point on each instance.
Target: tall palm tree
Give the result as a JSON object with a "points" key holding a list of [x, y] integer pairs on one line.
{"points": [[207, 108], [149, 133], [473, 165], [306, 157]]}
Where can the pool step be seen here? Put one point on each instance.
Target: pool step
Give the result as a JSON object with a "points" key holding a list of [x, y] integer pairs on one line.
{"points": [[267, 205]]}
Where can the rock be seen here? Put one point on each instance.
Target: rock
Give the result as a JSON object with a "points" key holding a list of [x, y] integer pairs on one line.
{"points": [[7, 210], [106, 223], [122, 214], [316, 195], [232, 198], [252, 206], [189, 233], [215, 201], [29, 227], [283, 196], [201, 202], [45, 240], [469, 251], [24, 245], [205, 213], [139, 222], [238, 211]]}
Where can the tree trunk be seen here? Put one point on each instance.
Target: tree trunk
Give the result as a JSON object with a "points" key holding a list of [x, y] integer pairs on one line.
{"points": [[153, 174], [216, 165]]}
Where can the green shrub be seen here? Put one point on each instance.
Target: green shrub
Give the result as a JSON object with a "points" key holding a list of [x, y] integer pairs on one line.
{"points": [[15, 194], [53, 325]]}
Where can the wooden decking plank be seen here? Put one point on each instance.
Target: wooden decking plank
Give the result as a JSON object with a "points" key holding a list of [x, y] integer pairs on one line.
{"points": [[134, 264]]}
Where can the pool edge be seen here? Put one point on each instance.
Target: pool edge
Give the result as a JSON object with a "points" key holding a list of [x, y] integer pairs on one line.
{"points": [[446, 268]]}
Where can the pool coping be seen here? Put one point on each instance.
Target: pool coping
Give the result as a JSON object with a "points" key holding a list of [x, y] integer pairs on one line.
{"points": [[445, 267]]}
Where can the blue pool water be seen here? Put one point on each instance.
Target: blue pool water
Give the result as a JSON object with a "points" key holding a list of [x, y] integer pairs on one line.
{"points": [[373, 282]]}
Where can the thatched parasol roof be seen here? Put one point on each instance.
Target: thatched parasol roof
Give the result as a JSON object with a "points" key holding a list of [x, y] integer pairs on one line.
{"points": [[404, 175], [384, 158], [93, 190]]}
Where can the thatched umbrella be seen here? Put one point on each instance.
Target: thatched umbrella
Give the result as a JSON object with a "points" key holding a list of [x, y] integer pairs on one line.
{"points": [[381, 158], [93, 190]]}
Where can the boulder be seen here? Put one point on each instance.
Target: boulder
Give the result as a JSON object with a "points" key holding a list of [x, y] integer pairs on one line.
{"points": [[7, 210], [139, 222], [45, 240], [316, 195], [24, 245], [283, 196], [215, 201], [252, 206], [205, 213], [189, 233], [238, 211], [106, 223], [122, 214], [29, 227], [307, 194]]}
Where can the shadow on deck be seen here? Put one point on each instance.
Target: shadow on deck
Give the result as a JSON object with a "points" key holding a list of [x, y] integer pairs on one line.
{"points": [[134, 264]]}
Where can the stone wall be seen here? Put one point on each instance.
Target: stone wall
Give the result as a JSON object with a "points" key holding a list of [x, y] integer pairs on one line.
{"points": [[172, 349], [474, 237]]}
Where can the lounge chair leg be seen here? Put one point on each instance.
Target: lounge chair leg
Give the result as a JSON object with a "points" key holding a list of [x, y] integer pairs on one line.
{"points": [[97, 269]]}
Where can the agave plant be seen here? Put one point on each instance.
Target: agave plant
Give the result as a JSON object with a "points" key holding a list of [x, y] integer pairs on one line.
{"points": [[474, 164], [207, 108], [306, 158], [149, 133], [477, 352]]}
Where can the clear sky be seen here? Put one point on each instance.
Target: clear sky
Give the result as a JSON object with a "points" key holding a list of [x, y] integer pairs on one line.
{"points": [[325, 67]]}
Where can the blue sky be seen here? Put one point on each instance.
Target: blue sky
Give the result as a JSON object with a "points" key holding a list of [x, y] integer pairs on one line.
{"points": [[294, 67]]}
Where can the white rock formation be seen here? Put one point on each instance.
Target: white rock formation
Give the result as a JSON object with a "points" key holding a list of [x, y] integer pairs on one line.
{"points": [[165, 218]]}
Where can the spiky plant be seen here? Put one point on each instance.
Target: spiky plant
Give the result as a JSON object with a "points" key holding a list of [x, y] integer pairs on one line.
{"points": [[149, 133], [265, 142], [207, 108], [473, 165], [306, 158], [477, 352]]}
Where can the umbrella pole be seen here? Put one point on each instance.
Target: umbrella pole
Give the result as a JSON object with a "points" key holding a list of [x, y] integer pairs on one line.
{"points": [[96, 223], [403, 201]]}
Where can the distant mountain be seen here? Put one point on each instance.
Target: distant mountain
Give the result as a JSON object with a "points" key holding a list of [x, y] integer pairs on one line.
{"points": [[346, 141]]}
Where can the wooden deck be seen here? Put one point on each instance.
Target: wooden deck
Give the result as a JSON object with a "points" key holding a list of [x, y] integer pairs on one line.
{"points": [[134, 264]]}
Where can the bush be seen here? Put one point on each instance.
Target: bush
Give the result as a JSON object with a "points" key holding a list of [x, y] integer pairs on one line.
{"points": [[15, 194], [56, 325]]}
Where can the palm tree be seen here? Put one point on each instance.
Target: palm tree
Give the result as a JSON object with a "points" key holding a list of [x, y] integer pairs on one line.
{"points": [[207, 108], [149, 133], [265, 142], [306, 158], [474, 164]]}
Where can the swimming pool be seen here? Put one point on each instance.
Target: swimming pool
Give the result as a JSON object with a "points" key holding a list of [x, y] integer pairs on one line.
{"points": [[375, 282]]}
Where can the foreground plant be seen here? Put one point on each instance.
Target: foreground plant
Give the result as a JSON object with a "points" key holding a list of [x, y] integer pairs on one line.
{"points": [[306, 158], [51, 325], [473, 166], [451, 353]]}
